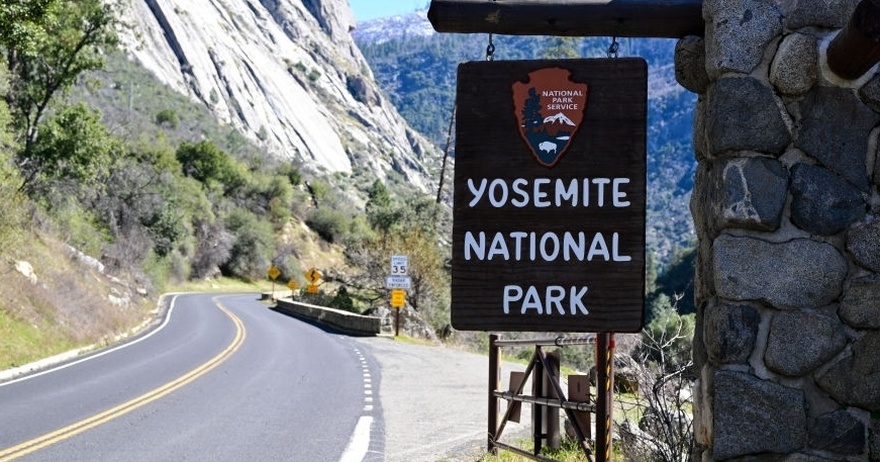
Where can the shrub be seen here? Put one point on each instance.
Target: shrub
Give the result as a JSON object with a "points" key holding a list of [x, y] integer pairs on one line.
{"points": [[213, 248], [330, 224], [252, 248], [342, 300], [208, 164], [167, 117]]}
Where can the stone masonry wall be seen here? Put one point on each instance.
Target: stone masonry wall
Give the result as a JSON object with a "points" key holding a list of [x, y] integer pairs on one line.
{"points": [[787, 211]]}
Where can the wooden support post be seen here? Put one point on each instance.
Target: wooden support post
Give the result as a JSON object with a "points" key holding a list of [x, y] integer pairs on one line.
{"points": [[537, 409], [583, 18], [605, 385], [551, 413], [494, 384], [856, 48]]}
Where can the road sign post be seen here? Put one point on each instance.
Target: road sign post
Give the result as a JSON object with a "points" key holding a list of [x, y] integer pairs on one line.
{"points": [[398, 301], [273, 274], [397, 281], [313, 276]]}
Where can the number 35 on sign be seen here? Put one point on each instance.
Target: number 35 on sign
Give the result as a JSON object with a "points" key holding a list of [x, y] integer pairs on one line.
{"points": [[399, 265]]}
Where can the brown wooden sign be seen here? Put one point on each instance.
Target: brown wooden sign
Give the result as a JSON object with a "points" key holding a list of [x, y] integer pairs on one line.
{"points": [[549, 208]]}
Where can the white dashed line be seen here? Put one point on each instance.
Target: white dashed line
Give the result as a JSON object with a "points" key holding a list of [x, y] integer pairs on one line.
{"points": [[359, 443]]}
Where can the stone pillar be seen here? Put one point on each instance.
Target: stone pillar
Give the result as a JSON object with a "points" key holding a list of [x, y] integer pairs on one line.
{"points": [[787, 212]]}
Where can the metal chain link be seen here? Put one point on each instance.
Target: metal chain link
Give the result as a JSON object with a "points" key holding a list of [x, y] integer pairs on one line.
{"points": [[613, 48], [490, 49]]}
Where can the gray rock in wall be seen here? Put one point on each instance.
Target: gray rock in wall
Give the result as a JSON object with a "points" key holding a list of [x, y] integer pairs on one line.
{"points": [[852, 378], [874, 440], [843, 149], [801, 457], [701, 143], [729, 332], [801, 341], [690, 64], [839, 432], [823, 13], [860, 304], [753, 193], [741, 115], [870, 93], [737, 32], [822, 202], [795, 68], [863, 242], [754, 416], [797, 273]]}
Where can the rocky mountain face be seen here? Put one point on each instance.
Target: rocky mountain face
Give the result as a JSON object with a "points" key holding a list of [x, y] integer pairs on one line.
{"points": [[284, 72]]}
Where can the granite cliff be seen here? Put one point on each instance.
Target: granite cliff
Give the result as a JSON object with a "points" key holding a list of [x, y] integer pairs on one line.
{"points": [[286, 73]]}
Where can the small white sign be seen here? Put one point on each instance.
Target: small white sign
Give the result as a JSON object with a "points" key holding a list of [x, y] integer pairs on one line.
{"points": [[399, 264], [398, 282]]}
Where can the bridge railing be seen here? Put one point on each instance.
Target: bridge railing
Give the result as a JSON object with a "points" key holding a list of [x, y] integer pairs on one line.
{"points": [[341, 320]]}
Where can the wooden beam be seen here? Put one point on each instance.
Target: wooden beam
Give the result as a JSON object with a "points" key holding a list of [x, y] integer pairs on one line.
{"points": [[856, 48], [580, 18]]}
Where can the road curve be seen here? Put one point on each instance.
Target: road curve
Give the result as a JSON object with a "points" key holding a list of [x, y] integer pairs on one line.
{"points": [[225, 379]]}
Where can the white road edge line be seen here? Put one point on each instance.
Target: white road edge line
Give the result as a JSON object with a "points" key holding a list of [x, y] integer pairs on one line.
{"points": [[359, 443], [98, 355]]}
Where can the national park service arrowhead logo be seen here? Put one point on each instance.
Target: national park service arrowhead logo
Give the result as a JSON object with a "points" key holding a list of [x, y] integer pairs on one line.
{"points": [[549, 109]]}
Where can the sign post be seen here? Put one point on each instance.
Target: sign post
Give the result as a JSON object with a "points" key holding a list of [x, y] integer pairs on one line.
{"points": [[398, 301], [313, 276], [273, 272], [549, 203], [397, 281]]}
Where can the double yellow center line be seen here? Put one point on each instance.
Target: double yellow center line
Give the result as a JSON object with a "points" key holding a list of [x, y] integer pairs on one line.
{"points": [[71, 430]]}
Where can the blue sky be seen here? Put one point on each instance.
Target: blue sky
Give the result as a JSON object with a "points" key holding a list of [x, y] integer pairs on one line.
{"points": [[365, 10]]}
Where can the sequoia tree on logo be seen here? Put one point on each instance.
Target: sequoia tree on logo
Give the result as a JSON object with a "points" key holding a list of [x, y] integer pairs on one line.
{"points": [[549, 109]]}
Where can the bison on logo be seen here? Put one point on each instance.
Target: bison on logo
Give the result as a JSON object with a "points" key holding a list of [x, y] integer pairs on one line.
{"points": [[549, 109]]}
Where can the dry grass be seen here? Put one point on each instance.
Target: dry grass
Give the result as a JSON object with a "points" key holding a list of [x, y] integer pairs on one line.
{"points": [[68, 307]]}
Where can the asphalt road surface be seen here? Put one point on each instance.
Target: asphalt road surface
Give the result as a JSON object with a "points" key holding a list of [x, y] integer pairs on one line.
{"points": [[225, 378]]}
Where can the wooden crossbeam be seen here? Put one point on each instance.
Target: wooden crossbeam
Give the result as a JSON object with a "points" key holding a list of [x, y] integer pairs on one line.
{"points": [[856, 48], [580, 18]]}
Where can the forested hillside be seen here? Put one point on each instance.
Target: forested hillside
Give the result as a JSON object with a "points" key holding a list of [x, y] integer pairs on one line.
{"points": [[114, 187], [417, 68]]}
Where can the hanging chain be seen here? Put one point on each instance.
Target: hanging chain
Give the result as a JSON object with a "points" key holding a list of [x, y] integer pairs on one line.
{"points": [[490, 49], [613, 48]]}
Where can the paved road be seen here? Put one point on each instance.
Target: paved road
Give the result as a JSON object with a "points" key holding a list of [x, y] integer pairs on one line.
{"points": [[228, 379], [224, 381]]}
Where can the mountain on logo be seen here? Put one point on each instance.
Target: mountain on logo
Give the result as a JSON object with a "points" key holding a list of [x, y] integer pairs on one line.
{"points": [[548, 135], [559, 118]]}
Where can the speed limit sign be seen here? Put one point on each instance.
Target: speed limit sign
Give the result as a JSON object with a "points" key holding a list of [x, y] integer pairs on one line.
{"points": [[399, 265]]}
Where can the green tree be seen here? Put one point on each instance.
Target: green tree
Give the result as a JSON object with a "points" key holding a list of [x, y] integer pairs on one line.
{"points": [[676, 283], [209, 164], [49, 45], [11, 199], [253, 246], [562, 48], [21, 22], [73, 145], [380, 210]]}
